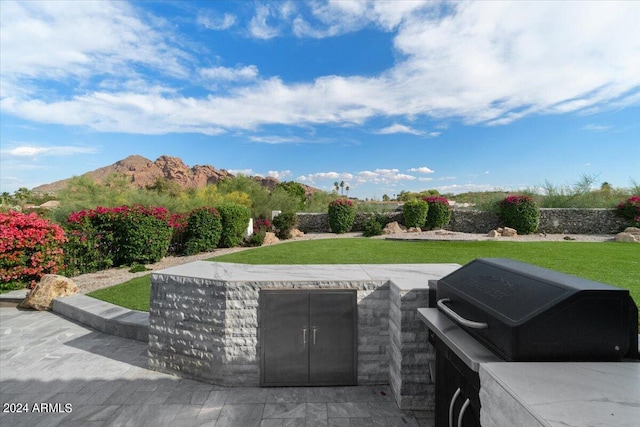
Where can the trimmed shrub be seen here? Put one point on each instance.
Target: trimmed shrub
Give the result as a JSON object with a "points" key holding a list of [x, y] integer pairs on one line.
{"points": [[235, 219], [630, 210], [520, 212], [257, 238], [342, 214], [372, 228], [284, 223], [262, 224], [203, 231], [30, 247], [439, 213], [415, 213], [117, 236]]}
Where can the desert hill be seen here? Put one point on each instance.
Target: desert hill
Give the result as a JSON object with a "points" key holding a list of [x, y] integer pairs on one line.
{"points": [[143, 172]]}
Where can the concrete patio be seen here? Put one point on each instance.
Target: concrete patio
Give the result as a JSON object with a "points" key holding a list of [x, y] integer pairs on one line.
{"points": [[46, 358]]}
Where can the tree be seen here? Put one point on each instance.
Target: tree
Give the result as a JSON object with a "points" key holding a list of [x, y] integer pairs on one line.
{"points": [[295, 190], [385, 198], [342, 188], [347, 188], [337, 186], [606, 187]]}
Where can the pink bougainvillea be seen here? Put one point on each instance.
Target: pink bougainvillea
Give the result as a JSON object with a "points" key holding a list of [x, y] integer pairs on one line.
{"points": [[30, 247], [630, 209]]}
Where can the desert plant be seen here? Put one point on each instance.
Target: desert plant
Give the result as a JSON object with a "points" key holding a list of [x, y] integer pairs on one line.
{"points": [[415, 213], [284, 223], [630, 210], [342, 214], [373, 226], [520, 212], [439, 212], [235, 219], [257, 238], [203, 231], [30, 247]]}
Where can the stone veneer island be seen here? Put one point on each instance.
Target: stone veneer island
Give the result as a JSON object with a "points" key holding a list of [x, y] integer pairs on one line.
{"points": [[204, 321]]}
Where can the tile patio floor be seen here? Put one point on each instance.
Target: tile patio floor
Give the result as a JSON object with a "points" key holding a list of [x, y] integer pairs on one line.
{"points": [[45, 358]]}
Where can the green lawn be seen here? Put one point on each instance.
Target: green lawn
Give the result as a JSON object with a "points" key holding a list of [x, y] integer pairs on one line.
{"points": [[617, 264]]}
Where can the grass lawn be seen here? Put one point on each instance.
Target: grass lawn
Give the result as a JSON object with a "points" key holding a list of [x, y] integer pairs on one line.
{"points": [[617, 264]]}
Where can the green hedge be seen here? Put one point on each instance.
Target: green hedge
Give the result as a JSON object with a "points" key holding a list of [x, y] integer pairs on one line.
{"points": [[415, 213], [203, 231], [342, 215], [235, 219], [521, 213]]}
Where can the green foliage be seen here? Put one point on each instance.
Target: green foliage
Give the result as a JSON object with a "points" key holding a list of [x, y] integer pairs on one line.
{"points": [[137, 268], [439, 212], [374, 225], [405, 196], [284, 223], [203, 230], [415, 213], [319, 202], [257, 238], [630, 210], [520, 212], [342, 215], [295, 190], [122, 235], [258, 194], [235, 219]]}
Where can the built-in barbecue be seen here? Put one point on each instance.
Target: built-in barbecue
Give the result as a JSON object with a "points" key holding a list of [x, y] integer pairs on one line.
{"points": [[493, 310]]}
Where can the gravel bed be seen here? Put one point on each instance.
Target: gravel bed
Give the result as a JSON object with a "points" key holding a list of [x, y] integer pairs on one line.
{"points": [[102, 279]]}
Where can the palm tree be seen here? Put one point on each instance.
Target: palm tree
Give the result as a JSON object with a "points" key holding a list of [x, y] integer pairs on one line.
{"points": [[342, 187], [335, 184], [347, 188]]}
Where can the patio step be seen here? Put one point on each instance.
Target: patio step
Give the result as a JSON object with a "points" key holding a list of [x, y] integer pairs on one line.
{"points": [[104, 316]]}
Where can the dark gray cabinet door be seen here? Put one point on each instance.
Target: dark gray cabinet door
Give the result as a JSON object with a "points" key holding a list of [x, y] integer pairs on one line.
{"points": [[285, 337], [308, 337], [332, 351]]}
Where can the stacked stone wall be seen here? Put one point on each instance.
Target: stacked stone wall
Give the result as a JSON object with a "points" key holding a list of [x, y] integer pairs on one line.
{"points": [[562, 221]]}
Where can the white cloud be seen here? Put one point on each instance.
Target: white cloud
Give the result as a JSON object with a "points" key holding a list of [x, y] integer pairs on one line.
{"points": [[486, 62], [259, 27], [422, 169], [280, 175], [245, 172], [398, 128], [40, 151], [249, 72], [216, 22], [595, 127]]}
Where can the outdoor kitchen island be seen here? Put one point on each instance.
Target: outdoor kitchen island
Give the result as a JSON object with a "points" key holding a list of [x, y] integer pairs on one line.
{"points": [[532, 394]]}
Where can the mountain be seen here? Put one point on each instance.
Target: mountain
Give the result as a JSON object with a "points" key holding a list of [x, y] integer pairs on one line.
{"points": [[143, 172]]}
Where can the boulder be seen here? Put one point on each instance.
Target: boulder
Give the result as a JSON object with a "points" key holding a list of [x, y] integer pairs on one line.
{"points": [[633, 230], [270, 238], [50, 286], [414, 230], [295, 233], [509, 232], [628, 237], [493, 233], [394, 228]]}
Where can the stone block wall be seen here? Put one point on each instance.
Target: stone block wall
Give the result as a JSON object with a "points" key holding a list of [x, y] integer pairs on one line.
{"points": [[209, 331], [567, 221], [409, 350]]}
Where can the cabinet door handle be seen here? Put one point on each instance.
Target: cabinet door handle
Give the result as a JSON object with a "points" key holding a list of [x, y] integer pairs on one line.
{"points": [[304, 337], [453, 402], [313, 331], [465, 405]]}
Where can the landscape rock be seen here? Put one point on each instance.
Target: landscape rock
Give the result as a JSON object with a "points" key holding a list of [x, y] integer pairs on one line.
{"points": [[394, 228], [50, 286], [509, 232], [632, 230], [628, 237], [493, 233], [414, 230], [295, 233], [270, 238]]}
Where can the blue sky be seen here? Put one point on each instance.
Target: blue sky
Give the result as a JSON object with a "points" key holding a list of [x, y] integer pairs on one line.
{"points": [[386, 96]]}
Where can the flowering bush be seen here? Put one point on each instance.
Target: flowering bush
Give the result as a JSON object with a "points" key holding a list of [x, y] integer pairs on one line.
{"points": [[342, 215], [439, 212], [415, 213], [520, 212], [262, 224], [630, 209], [30, 247], [122, 235], [203, 231]]}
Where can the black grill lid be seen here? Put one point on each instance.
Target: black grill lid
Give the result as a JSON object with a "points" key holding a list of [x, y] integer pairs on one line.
{"points": [[532, 313]]}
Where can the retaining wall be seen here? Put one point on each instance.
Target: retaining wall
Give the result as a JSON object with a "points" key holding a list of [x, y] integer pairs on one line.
{"points": [[553, 221]]}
